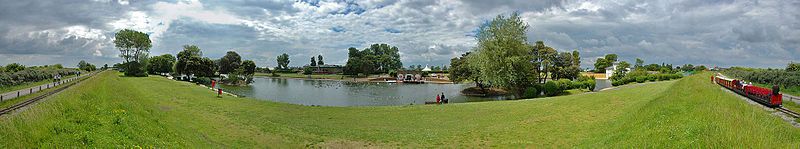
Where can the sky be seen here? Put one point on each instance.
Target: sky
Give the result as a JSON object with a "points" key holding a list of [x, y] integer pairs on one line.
{"points": [[752, 33]]}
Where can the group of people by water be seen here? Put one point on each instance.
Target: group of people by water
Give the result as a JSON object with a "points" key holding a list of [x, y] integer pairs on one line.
{"points": [[441, 99]]}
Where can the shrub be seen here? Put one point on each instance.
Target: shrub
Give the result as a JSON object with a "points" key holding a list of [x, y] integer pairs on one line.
{"points": [[531, 92], [551, 88], [591, 84], [308, 70], [641, 79], [135, 69]]}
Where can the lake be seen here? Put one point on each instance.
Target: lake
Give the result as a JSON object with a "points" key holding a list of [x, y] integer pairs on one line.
{"points": [[345, 93]]}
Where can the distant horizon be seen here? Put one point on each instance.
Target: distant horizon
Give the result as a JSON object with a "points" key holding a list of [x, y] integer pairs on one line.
{"points": [[759, 34]]}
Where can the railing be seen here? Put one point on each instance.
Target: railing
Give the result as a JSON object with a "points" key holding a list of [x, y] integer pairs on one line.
{"points": [[23, 92], [791, 98]]}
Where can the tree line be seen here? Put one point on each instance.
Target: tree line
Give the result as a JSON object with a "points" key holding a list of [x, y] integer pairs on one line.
{"points": [[785, 78], [134, 48]]}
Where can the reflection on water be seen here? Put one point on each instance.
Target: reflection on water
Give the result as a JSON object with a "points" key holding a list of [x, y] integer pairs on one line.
{"points": [[344, 93]]}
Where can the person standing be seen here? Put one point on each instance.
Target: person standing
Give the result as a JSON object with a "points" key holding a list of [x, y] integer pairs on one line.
{"points": [[438, 99], [444, 99]]}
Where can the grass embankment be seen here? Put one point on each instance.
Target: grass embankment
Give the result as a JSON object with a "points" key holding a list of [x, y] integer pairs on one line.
{"points": [[112, 111], [313, 76]]}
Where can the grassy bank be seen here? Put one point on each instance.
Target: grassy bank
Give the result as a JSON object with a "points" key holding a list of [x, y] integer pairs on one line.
{"points": [[113, 111]]}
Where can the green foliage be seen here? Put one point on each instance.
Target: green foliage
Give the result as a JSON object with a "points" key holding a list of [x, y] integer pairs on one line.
{"points": [[283, 61], [230, 62], [249, 67], [461, 70], [319, 60], [83, 65], [783, 78], [202, 80], [641, 76], [135, 69], [551, 88], [531, 92], [14, 67], [160, 64], [793, 67], [392, 73], [313, 62], [190, 61], [308, 70], [133, 46], [378, 58], [601, 64], [566, 66], [31, 75], [503, 55]]}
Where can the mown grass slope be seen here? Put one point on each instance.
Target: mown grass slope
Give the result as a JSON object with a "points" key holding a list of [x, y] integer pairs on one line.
{"points": [[113, 111]]}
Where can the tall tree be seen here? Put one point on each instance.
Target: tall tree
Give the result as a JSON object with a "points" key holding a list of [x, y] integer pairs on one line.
{"points": [[319, 60], [161, 64], [191, 55], [249, 67], [313, 62], [230, 62], [461, 70], [283, 61], [134, 46], [503, 55], [639, 63]]}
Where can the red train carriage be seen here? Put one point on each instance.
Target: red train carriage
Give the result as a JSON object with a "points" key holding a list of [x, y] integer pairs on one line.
{"points": [[765, 96]]}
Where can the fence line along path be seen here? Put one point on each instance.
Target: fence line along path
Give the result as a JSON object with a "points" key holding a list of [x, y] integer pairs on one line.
{"points": [[14, 94]]}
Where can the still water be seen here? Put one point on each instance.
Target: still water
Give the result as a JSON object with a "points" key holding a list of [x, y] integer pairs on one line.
{"points": [[344, 93]]}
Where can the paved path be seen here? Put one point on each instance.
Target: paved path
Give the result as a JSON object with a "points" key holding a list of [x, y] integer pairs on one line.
{"points": [[23, 92]]}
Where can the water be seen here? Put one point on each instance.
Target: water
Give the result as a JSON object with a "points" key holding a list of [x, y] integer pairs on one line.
{"points": [[344, 93]]}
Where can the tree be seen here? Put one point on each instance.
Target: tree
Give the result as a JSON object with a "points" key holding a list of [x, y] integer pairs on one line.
{"points": [[14, 67], [230, 62], [161, 64], [83, 65], [313, 62], [283, 61], [564, 67], [602, 63], [461, 70], [319, 60], [792, 67], [378, 58], [611, 57], [249, 67], [189, 60], [639, 63], [543, 57], [133, 46], [502, 55]]}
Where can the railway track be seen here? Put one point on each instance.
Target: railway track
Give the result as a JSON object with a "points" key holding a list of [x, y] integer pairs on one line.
{"points": [[788, 112], [25, 103]]}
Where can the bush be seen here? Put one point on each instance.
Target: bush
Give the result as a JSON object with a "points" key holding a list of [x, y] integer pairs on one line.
{"points": [[641, 79], [135, 69], [308, 70], [531, 92], [551, 88]]}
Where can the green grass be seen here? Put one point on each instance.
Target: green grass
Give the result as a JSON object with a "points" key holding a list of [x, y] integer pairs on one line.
{"points": [[123, 112], [298, 75]]}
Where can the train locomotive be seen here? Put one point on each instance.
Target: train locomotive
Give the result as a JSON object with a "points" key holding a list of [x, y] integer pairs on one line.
{"points": [[768, 97]]}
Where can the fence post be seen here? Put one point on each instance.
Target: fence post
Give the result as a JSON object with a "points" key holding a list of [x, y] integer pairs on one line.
{"points": [[17, 93]]}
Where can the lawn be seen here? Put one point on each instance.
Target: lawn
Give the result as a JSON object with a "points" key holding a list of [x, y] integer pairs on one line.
{"points": [[125, 112]]}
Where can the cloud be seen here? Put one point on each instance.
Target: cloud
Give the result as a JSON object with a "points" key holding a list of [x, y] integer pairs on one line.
{"points": [[724, 32]]}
